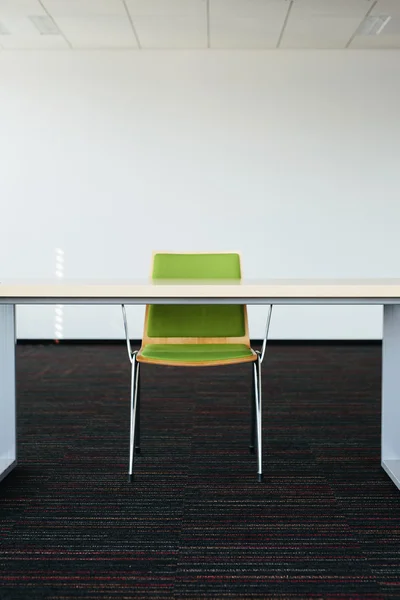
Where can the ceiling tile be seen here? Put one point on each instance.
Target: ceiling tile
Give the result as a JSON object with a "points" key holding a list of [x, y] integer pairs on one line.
{"points": [[323, 23], [389, 37], [167, 8], [376, 42], [169, 23], [331, 8], [84, 8], [226, 9], [24, 35], [177, 32], [42, 42], [233, 24], [14, 17], [246, 23], [20, 8], [242, 33], [98, 32], [387, 7], [392, 28]]}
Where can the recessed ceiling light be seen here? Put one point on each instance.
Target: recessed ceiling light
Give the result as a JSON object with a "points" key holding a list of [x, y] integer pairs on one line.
{"points": [[45, 25], [373, 25]]}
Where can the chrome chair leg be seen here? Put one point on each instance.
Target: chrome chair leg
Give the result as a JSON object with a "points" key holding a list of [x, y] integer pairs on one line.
{"points": [[137, 422], [134, 394], [258, 403], [252, 446]]}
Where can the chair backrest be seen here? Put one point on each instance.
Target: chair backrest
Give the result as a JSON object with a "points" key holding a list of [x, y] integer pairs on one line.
{"points": [[200, 322]]}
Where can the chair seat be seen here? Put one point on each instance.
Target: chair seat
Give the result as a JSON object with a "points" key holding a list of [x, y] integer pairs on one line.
{"points": [[196, 354]]}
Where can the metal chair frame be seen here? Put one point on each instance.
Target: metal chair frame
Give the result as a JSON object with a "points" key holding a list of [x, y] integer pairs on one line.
{"points": [[256, 404]]}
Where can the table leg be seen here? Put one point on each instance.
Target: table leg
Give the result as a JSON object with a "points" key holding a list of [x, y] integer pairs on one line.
{"points": [[8, 442], [391, 392]]}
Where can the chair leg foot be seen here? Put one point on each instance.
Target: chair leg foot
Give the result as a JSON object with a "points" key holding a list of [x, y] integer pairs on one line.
{"points": [[130, 477], [260, 477], [137, 450], [252, 450]]}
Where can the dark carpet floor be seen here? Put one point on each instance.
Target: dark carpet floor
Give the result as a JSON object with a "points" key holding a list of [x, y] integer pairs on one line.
{"points": [[196, 524]]}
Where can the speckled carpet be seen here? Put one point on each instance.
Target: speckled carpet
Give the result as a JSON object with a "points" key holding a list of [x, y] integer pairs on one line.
{"points": [[196, 524]]}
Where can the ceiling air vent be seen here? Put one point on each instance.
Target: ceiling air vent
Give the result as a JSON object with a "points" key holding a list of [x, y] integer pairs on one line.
{"points": [[373, 25], [4, 30], [45, 25]]}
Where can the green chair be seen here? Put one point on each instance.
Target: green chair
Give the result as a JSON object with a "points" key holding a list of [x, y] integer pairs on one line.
{"points": [[201, 335]]}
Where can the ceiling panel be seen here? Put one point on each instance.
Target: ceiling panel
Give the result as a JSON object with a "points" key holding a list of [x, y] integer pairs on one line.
{"points": [[167, 8], [169, 23], [25, 36], [174, 32], [20, 8], [246, 23], [328, 8], [381, 42], [22, 33], [323, 23], [263, 9], [84, 8], [111, 31], [390, 35], [33, 42], [388, 7], [242, 34], [93, 23]]}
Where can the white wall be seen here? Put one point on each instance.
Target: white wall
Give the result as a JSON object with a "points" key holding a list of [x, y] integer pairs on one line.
{"points": [[290, 157]]}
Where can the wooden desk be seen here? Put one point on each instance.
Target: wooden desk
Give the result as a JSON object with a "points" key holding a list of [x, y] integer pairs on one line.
{"points": [[384, 292]]}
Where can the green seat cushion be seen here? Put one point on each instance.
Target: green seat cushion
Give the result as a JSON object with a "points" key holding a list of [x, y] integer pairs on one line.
{"points": [[196, 320], [195, 352], [200, 320], [196, 266]]}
